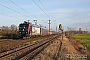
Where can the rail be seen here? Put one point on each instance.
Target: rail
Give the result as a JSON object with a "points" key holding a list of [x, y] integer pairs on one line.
{"points": [[27, 52]]}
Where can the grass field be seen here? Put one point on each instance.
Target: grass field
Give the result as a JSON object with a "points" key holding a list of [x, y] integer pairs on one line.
{"points": [[84, 39]]}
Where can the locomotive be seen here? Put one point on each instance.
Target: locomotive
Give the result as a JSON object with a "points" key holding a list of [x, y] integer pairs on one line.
{"points": [[27, 29]]}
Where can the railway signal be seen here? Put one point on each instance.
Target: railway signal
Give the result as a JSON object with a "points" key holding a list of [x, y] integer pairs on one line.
{"points": [[60, 28]]}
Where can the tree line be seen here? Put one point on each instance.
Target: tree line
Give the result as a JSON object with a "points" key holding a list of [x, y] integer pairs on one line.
{"points": [[8, 30]]}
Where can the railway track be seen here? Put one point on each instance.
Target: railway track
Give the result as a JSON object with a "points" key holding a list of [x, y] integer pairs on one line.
{"points": [[28, 52], [10, 44]]}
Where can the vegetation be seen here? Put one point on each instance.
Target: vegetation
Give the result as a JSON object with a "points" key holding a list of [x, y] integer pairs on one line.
{"points": [[83, 39], [6, 31]]}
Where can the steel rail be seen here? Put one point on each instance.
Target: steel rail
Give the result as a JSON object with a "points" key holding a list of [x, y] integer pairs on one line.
{"points": [[27, 51]]}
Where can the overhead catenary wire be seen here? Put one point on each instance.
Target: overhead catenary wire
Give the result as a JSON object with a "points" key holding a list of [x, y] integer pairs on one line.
{"points": [[8, 15], [47, 12], [13, 10], [41, 9], [43, 6], [22, 9], [45, 9]]}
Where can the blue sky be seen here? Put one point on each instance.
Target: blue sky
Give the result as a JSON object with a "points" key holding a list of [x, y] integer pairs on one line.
{"points": [[69, 13]]}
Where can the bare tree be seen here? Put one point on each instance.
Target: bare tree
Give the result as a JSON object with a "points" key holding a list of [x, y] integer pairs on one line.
{"points": [[5, 30], [13, 28]]}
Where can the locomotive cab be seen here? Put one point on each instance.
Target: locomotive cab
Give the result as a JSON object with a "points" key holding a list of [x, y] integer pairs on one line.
{"points": [[24, 29]]}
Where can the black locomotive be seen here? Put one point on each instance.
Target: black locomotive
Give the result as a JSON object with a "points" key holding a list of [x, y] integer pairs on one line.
{"points": [[25, 29]]}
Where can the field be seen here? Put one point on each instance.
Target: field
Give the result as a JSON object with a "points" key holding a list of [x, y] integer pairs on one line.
{"points": [[84, 39]]}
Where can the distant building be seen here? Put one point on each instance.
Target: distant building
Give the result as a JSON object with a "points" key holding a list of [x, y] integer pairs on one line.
{"points": [[80, 29]]}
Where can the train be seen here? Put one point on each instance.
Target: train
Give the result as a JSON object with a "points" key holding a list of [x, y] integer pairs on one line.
{"points": [[27, 29]]}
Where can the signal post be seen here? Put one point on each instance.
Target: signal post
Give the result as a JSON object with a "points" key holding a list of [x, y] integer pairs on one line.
{"points": [[60, 28]]}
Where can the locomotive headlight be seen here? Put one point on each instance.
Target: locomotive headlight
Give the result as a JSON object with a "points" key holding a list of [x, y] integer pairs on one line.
{"points": [[26, 32], [23, 29], [20, 32]]}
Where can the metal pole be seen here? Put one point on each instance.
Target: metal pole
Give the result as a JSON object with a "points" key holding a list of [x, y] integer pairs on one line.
{"points": [[40, 30], [49, 25], [56, 28]]}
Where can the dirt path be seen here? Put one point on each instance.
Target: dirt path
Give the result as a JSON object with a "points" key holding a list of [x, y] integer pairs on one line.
{"points": [[64, 50], [72, 50]]}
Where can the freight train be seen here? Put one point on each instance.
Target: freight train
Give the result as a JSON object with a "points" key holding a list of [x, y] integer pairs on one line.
{"points": [[27, 29]]}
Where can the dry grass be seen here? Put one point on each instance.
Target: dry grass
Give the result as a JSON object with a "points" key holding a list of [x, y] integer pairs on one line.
{"points": [[10, 44], [49, 53]]}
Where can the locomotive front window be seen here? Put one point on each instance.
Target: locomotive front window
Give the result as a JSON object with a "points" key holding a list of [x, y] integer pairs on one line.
{"points": [[23, 26]]}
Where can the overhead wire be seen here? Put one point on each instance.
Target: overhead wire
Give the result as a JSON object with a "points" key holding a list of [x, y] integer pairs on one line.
{"points": [[22, 9], [10, 16], [44, 8], [13, 10], [41, 9], [43, 5], [7, 15]]}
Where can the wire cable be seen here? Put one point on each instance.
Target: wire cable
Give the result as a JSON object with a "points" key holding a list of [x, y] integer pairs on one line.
{"points": [[43, 5], [8, 15], [22, 8], [41, 9], [12, 10]]}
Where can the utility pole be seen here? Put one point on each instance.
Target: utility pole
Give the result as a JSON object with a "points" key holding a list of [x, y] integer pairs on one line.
{"points": [[56, 28], [49, 25]]}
